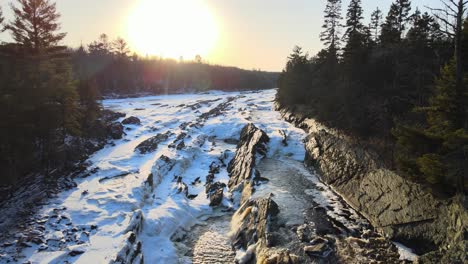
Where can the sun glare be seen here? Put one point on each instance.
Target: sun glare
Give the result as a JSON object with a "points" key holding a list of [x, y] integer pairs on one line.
{"points": [[172, 28]]}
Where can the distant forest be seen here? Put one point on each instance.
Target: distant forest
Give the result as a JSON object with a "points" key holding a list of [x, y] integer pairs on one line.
{"points": [[397, 85], [49, 94], [112, 69]]}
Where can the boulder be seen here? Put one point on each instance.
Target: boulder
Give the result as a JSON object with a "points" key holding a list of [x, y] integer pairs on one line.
{"points": [[152, 143], [131, 121], [116, 130]]}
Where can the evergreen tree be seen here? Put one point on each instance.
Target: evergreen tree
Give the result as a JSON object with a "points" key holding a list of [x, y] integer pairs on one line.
{"points": [[35, 25], [331, 34], [120, 47], [395, 22], [355, 33], [375, 24]]}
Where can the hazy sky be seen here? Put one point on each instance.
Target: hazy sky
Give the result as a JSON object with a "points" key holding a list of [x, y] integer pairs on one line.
{"points": [[252, 33]]}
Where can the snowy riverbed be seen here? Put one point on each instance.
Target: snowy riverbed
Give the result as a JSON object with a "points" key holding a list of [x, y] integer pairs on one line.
{"points": [[90, 223]]}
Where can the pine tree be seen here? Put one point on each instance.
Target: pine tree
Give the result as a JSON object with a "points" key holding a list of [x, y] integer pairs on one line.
{"points": [[35, 25], [331, 34], [395, 22], [355, 33], [120, 47], [375, 24]]}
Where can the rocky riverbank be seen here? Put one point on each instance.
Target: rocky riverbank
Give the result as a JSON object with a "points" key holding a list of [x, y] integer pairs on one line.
{"points": [[403, 211], [287, 216]]}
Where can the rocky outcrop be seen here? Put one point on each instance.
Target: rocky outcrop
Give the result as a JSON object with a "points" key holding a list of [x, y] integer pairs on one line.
{"points": [[242, 167], [402, 210]]}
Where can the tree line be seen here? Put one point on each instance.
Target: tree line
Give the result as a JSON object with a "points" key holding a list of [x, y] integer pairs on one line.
{"points": [[397, 85], [49, 93]]}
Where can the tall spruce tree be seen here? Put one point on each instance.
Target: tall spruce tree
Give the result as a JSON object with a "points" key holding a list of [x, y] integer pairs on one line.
{"points": [[332, 26], [395, 22], [375, 24], [355, 33], [42, 88], [35, 25]]}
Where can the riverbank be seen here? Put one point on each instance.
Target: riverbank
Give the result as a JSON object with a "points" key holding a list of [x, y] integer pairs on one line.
{"points": [[403, 211]]}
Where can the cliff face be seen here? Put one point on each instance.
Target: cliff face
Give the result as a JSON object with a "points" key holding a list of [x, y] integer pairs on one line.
{"points": [[402, 210]]}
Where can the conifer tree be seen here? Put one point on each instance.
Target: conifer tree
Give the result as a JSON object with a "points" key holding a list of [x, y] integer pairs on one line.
{"points": [[375, 24], [355, 32], [120, 47], [35, 25], [332, 25], [395, 22]]}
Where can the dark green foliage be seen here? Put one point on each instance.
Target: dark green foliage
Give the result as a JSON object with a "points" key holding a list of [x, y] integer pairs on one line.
{"points": [[35, 24], [395, 22], [436, 153]]}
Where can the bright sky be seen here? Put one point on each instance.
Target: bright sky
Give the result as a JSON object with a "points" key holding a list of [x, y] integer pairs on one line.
{"points": [[245, 33]]}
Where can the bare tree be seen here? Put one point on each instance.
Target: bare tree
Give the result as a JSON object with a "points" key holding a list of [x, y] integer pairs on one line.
{"points": [[452, 17]]}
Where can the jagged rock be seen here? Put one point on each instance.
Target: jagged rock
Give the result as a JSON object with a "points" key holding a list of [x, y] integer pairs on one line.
{"points": [[116, 130], [152, 143], [131, 121], [252, 143], [215, 192]]}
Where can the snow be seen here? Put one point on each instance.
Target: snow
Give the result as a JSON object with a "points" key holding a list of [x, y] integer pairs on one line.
{"points": [[406, 253], [112, 196], [116, 198]]}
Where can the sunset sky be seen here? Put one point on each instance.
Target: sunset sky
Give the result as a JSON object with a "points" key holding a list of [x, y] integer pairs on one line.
{"points": [[244, 33]]}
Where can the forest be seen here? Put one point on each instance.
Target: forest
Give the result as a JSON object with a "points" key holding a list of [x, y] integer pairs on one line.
{"points": [[397, 85], [49, 93]]}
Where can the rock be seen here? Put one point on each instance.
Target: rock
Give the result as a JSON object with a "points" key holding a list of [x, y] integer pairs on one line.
{"points": [[111, 116], [131, 121], [231, 141], [215, 192], [321, 250], [241, 168], [152, 143], [116, 130]]}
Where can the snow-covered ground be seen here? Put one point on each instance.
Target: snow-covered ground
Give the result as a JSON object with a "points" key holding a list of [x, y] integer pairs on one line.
{"points": [[91, 223]]}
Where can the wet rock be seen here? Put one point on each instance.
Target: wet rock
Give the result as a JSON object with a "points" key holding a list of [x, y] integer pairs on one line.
{"points": [[116, 130], [152, 143], [131, 121]]}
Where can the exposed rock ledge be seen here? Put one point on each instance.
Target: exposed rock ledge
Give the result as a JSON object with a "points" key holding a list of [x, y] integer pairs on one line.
{"points": [[402, 210]]}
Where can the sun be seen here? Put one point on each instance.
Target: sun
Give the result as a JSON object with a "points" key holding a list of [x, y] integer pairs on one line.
{"points": [[172, 28]]}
